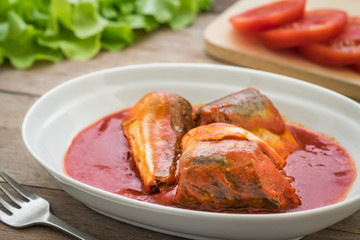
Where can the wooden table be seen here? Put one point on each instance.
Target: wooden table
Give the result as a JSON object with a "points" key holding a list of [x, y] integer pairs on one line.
{"points": [[19, 89]]}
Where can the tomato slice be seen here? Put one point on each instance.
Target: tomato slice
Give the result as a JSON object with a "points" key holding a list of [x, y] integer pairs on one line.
{"points": [[356, 67], [269, 16], [315, 26], [341, 50]]}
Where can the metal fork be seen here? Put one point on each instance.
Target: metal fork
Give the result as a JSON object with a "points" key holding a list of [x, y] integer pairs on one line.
{"points": [[32, 210]]}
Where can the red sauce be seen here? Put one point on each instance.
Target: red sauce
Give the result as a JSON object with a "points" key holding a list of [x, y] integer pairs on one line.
{"points": [[100, 156], [323, 170]]}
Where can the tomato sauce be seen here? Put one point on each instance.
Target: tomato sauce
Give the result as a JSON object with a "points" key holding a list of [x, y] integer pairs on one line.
{"points": [[323, 170], [100, 156]]}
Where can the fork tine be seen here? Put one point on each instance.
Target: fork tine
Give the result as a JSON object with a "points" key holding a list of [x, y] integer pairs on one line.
{"points": [[14, 198], [22, 191], [4, 203]]}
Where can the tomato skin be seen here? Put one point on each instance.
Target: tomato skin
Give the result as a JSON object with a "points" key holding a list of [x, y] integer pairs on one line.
{"points": [[356, 67], [339, 51], [316, 25], [268, 16]]}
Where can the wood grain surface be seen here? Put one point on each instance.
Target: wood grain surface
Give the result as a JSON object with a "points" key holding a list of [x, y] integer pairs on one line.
{"points": [[224, 43], [19, 89]]}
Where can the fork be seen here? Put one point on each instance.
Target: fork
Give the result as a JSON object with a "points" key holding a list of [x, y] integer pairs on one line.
{"points": [[32, 210]]}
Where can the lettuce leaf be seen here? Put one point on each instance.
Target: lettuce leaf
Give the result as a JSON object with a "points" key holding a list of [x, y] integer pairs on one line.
{"points": [[1, 57], [116, 36], [162, 10], [49, 30], [185, 14], [72, 47], [20, 45]]}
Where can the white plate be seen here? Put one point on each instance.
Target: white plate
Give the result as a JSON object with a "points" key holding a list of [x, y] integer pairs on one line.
{"points": [[60, 114]]}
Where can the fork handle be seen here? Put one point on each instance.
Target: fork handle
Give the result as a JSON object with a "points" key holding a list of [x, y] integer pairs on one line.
{"points": [[56, 222]]}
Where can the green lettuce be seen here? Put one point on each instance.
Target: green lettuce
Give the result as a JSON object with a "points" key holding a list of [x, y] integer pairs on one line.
{"points": [[49, 30], [1, 57], [20, 45]]}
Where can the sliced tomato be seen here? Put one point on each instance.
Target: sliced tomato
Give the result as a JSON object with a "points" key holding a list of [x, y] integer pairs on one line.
{"points": [[356, 67], [341, 50], [315, 26], [269, 16]]}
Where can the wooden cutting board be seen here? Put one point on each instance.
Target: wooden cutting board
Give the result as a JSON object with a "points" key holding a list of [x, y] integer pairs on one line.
{"points": [[224, 43]]}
